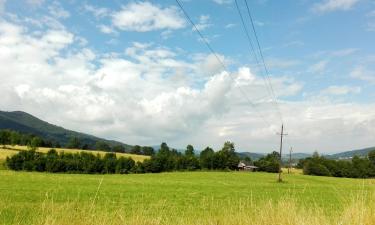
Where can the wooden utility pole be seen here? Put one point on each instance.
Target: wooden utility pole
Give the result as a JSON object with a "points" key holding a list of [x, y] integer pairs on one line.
{"points": [[281, 150], [290, 160]]}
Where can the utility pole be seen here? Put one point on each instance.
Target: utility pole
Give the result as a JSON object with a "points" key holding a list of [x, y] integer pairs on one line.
{"points": [[290, 160], [281, 149]]}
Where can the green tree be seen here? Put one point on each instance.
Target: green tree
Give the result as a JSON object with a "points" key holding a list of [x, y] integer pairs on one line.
{"points": [[189, 161], [206, 158], [15, 138], [124, 165], [102, 145], [35, 143], [119, 148], [371, 156], [189, 150], [146, 150], [110, 163], [4, 137], [136, 149], [270, 163], [229, 155], [74, 142]]}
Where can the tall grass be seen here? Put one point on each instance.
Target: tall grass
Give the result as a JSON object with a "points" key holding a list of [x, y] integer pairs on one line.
{"points": [[286, 211], [184, 198]]}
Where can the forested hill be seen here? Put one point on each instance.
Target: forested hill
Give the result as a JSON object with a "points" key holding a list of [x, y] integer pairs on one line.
{"points": [[28, 124], [350, 154]]}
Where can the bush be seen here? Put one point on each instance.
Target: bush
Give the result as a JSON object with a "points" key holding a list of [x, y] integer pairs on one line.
{"points": [[270, 163], [356, 168], [311, 168]]}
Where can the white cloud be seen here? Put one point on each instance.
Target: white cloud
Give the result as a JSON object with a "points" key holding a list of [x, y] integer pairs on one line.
{"points": [[230, 25], [344, 52], [363, 74], [318, 67], [98, 12], [259, 23], [210, 64], [341, 90], [148, 94], [106, 29], [204, 22], [145, 16], [58, 11], [133, 99], [334, 5], [222, 2]]}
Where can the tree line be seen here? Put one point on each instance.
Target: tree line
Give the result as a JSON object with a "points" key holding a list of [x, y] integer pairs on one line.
{"points": [[166, 159], [355, 168], [10, 137]]}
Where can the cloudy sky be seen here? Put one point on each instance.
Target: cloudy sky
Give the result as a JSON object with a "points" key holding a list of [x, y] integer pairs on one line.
{"points": [[136, 71]]}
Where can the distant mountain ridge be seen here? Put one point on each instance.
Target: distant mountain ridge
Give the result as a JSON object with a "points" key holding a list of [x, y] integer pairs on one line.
{"points": [[349, 154], [256, 156], [29, 124]]}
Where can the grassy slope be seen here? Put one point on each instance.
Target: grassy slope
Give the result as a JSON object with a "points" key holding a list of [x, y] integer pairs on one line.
{"points": [[183, 198], [14, 149]]}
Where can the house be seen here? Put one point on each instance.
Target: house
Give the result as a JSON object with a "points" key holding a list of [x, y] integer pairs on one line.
{"points": [[243, 166]]}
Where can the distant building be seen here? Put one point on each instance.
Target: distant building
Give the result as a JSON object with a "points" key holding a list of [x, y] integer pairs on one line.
{"points": [[244, 167]]}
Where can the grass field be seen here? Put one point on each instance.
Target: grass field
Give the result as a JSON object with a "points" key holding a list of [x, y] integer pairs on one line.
{"points": [[184, 198], [11, 150]]}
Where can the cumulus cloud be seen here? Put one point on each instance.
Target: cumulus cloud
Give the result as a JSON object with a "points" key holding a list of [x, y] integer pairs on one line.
{"points": [[145, 97], [334, 5], [145, 16], [146, 94], [210, 64]]}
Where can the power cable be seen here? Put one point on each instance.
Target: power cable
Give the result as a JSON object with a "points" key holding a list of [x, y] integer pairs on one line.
{"points": [[262, 57], [219, 60]]}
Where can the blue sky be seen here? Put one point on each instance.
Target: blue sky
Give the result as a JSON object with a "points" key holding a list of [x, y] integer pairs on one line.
{"points": [[136, 71]]}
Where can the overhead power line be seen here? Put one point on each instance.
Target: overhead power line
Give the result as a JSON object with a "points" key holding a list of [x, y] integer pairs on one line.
{"points": [[220, 61], [252, 49], [263, 61]]}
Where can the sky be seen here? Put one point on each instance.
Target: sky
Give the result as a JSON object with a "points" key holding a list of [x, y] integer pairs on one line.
{"points": [[138, 72]]}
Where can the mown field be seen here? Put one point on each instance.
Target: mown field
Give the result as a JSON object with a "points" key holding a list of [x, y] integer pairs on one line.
{"points": [[184, 198], [11, 150]]}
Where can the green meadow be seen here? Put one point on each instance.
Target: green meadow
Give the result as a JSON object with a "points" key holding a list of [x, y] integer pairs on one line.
{"points": [[184, 198]]}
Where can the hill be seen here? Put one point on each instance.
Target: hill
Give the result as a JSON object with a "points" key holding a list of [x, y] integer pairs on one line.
{"points": [[297, 155], [29, 124], [252, 155], [256, 156], [350, 154]]}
